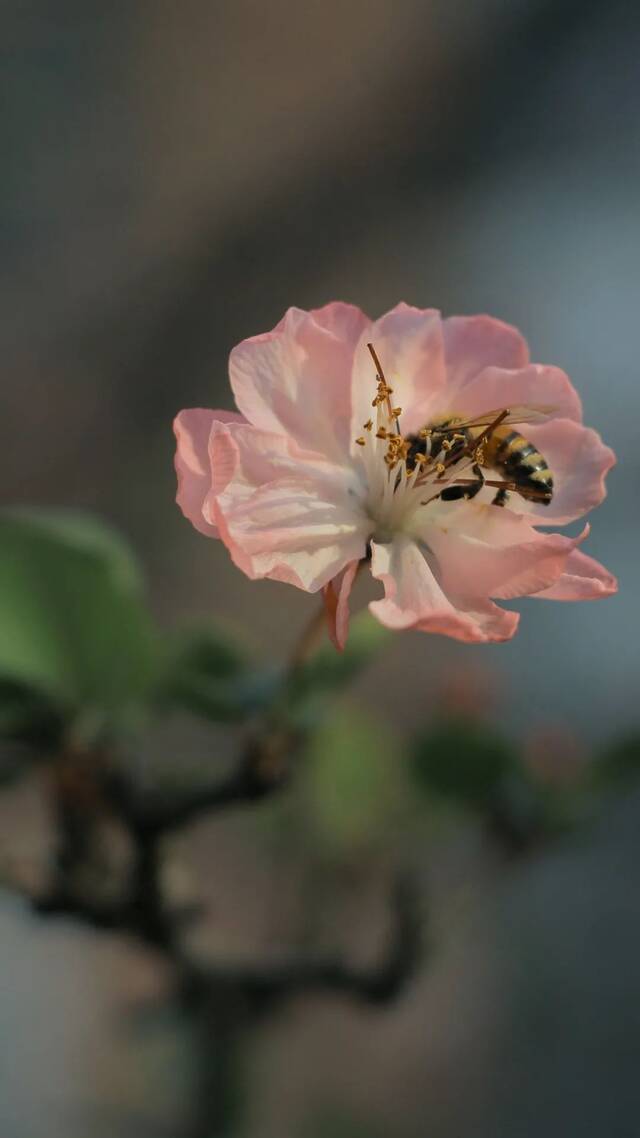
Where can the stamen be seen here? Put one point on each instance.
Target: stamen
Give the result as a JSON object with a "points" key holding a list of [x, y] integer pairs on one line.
{"points": [[384, 390], [368, 425], [361, 442]]}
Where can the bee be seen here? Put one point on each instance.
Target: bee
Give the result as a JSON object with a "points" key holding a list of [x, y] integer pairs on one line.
{"points": [[491, 442]]}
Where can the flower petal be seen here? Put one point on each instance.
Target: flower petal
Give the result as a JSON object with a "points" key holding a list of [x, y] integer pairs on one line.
{"points": [[249, 457], [414, 599], [490, 552], [409, 345], [192, 429], [336, 601], [584, 579], [472, 343], [282, 512], [579, 462], [494, 388], [297, 379], [291, 531]]}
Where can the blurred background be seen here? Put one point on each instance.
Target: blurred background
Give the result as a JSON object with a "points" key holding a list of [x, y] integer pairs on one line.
{"points": [[175, 176]]}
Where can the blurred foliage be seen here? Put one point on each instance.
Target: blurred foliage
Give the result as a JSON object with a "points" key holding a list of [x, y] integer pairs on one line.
{"points": [[329, 672], [462, 759], [82, 658], [350, 782], [209, 674], [26, 716], [80, 654], [470, 764], [619, 763], [76, 636]]}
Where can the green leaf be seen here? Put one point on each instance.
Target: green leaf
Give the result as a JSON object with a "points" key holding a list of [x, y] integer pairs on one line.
{"points": [[208, 673], [619, 764], [27, 717], [462, 760], [350, 781], [74, 626], [329, 671]]}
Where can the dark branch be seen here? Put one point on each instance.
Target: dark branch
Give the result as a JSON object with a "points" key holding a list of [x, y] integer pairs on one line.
{"points": [[262, 771], [380, 983]]}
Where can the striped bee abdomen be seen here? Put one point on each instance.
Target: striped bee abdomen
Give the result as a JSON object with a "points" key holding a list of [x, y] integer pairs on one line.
{"points": [[521, 463]]}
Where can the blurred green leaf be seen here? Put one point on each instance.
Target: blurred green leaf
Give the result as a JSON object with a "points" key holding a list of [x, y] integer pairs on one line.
{"points": [[350, 780], [26, 716], [619, 763], [209, 674], [75, 629], [329, 671], [462, 760]]}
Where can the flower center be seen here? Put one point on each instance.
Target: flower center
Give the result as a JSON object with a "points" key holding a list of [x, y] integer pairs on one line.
{"points": [[405, 475]]}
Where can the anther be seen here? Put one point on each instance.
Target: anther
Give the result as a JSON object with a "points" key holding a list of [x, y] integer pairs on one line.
{"points": [[396, 412], [368, 425], [381, 433], [361, 442], [440, 466]]}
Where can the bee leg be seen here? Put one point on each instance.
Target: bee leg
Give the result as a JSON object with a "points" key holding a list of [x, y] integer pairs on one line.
{"points": [[501, 498], [454, 493], [471, 491]]}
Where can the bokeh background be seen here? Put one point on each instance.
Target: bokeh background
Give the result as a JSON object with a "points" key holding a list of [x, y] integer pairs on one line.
{"points": [[174, 177]]}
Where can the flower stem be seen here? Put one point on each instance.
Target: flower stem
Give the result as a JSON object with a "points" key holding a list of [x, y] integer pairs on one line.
{"points": [[308, 640]]}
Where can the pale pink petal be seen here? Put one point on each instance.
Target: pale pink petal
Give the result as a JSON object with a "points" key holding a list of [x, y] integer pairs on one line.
{"points": [[250, 457], [414, 599], [282, 512], [409, 345], [296, 379], [495, 388], [579, 462], [583, 580], [192, 429], [491, 552], [291, 530], [336, 602], [345, 321], [472, 343]]}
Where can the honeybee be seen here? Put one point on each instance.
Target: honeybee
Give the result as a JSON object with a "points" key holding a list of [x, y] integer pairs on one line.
{"points": [[491, 442]]}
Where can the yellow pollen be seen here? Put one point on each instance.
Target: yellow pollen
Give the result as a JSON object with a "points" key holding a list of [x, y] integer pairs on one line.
{"points": [[368, 425], [440, 467], [381, 433], [446, 444], [361, 442], [396, 412]]}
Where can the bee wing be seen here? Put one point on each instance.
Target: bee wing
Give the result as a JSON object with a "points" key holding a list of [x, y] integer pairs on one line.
{"points": [[526, 413]]}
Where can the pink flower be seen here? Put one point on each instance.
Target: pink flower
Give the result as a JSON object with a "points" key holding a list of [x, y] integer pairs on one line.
{"points": [[324, 467]]}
